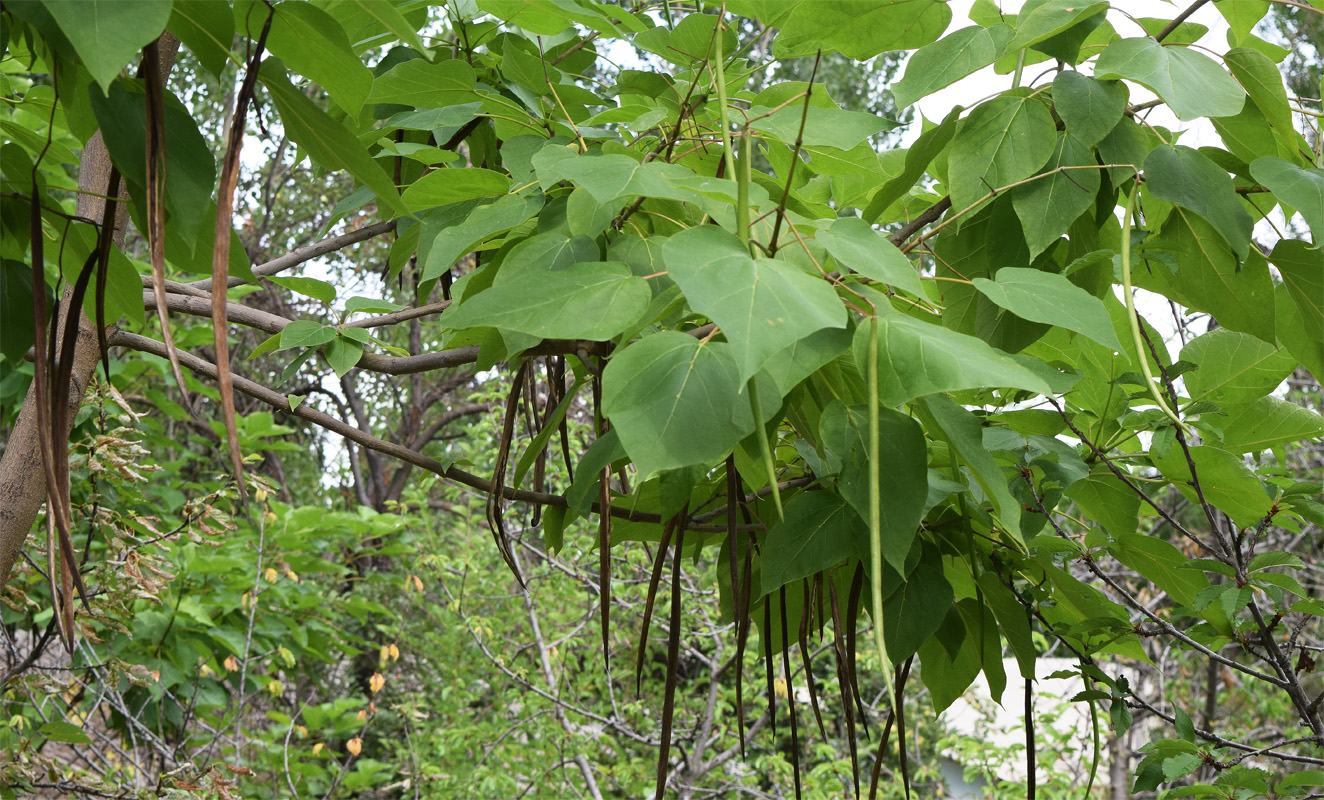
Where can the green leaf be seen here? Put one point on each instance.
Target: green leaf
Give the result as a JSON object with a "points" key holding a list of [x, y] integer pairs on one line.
{"points": [[1225, 481], [675, 401], [903, 478], [823, 127], [1048, 206], [1275, 558], [453, 241], [817, 533], [207, 28], [1303, 274], [1090, 108], [370, 305], [1209, 278], [1180, 765], [1041, 19], [917, 358], [860, 29], [855, 243], [308, 287], [306, 333], [1182, 722], [1242, 15], [918, 158], [342, 353], [1183, 176], [688, 42], [805, 356], [420, 85], [948, 421], [389, 18], [550, 251], [550, 17], [913, 613], [327, 141], [445, 186], [1268, 423], [949, 59], [1303, 189], [1106, 500], [1260, 78], [312, 43], [1160, 564], [588, 300], [1233, 368], [190, 168], [1003, 141], [761, 306], [1191, 83], [1052, 299], [107, 34], [64, 732]]}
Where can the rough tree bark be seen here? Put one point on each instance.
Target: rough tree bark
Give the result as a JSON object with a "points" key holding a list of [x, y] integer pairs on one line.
{"points": [[22, 479]]}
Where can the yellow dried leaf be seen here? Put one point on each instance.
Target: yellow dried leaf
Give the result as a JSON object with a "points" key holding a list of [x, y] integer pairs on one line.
{"points": [[354, 746]]}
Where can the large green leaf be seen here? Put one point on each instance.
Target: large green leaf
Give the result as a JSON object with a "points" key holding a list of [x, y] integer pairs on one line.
{"points": [[1048, 206], [1041, 19], [1052, 299], [327, 141], [550, 17], [960, 429], [1242, 15], [454, 240], [1090, 108], [1234, 368], [675, 401], [549, 251], [1106, 500], [918, 158], [190, 167], [422, 85], [916, 358], [1191, 83], [1303, 274], [1208, 276], [762, 306], [1260, 78], [817, 532], [949, 59], [1225, 481], [1303, 189], [1183, 176], [312, 43], [207, 28], [445, 186], [912, 614], [1270, 422], [805, 356], [902, 478], [1161, 564], [860, 29], [587, 300], [823, 127], [107, 34], [855, 243], [1003, 141]]}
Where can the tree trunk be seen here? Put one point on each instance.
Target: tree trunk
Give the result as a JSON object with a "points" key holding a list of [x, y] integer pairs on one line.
{"points": [[22, 478]]}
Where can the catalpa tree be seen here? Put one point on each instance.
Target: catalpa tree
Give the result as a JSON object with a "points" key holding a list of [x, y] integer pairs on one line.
{"points": [[909, 392]]}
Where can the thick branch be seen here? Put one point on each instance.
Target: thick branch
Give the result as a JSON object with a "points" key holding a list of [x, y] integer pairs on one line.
{"points": [[278, 401]]}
